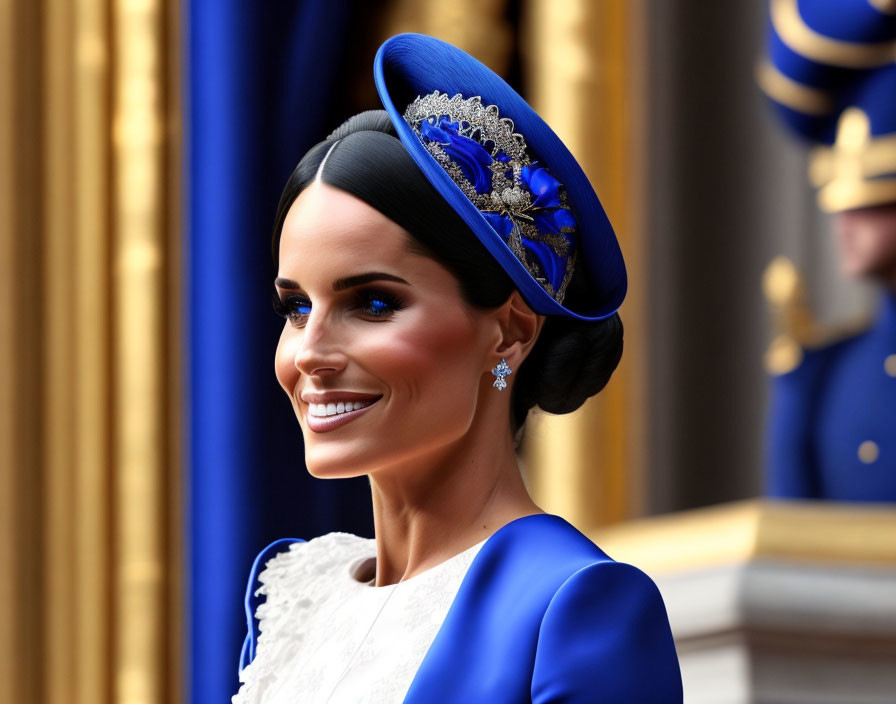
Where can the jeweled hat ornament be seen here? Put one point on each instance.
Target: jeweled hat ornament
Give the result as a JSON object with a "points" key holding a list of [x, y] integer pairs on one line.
{"points": [[504, 171], [830, 73]]}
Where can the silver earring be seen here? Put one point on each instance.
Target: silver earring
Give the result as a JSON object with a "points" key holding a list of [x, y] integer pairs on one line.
{"points": [[501, 371]]}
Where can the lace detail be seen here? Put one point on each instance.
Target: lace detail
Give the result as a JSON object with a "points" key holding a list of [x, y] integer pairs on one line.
{"points": [[315, 614]]}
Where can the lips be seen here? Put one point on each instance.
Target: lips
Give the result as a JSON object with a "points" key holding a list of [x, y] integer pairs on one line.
{"points": [[331, 410]]}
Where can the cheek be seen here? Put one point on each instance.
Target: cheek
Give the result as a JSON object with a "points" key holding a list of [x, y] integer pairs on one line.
{"points": [[430, 354], [433, 376], [856, 250], [870, 250]]}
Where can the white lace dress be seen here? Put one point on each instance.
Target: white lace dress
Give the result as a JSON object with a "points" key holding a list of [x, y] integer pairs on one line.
{"points": [[316, 614]]}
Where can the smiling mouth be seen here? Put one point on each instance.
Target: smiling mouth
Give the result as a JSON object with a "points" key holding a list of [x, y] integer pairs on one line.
{"points": [[327, 410]]}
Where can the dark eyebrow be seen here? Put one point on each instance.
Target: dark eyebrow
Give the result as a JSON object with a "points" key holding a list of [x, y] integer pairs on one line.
{"points": [[280, 282], [360, 279], [347, 282]]}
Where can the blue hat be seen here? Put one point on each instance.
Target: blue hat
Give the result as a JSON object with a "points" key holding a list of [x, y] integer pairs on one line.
{"points": [[504, 171], [831, 75]]}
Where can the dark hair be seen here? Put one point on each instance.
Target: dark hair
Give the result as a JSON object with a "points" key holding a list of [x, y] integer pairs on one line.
{"points": [[572, 359]]}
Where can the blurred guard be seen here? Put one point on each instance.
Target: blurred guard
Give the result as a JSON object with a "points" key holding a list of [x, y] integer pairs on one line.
{"points": [[831, 75]]}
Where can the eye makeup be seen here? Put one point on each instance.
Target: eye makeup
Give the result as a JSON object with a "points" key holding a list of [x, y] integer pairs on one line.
{"points": [[294, 308], [372, 303], [377, 303]]}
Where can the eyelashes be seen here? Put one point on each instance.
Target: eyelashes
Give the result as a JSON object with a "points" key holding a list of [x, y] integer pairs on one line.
{"points": [[293, 308], [370, 303]]}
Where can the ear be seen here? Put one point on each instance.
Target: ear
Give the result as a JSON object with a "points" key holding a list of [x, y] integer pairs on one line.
{"points": [[519, 328]]}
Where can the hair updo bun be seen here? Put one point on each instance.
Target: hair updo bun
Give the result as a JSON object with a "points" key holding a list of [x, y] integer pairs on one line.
{"points": [[572, 359]]}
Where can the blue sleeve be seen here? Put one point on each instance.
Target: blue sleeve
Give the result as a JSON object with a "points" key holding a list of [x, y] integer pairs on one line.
{"points": [[790, 471], [251, 600], [605, 639]]}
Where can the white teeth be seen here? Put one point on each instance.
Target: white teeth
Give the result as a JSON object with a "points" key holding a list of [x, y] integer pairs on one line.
{"points": [[322, 410]]}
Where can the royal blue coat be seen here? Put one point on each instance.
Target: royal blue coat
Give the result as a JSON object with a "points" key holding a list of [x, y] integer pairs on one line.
{"points": [[544, 616]]}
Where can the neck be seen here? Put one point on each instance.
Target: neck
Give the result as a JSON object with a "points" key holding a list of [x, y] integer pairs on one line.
{"points": [[432, 508]]}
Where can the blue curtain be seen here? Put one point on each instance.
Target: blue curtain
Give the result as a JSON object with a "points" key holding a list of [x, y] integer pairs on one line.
{"points": [[262, 79]]}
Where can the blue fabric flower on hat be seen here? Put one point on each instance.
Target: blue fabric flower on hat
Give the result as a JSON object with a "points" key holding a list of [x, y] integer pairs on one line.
{"points": [[549, 213], [468, 154]]}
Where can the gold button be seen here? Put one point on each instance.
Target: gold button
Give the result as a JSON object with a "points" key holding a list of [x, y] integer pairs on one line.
{"points": [[890, 364], [868, 451]]}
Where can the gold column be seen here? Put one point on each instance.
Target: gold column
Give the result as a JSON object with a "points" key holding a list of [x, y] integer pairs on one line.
{"points": [[59, 325], [139, 347], [90, 352], [93, 417], [582, 66], [21, 382]]}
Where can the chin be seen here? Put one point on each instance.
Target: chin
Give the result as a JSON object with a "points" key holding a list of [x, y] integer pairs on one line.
{"points": [[328, 472], [334, 463]]}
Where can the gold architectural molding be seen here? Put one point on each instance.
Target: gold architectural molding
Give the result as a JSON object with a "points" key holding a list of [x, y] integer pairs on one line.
{"points": [[91, 410], [93, 419], [21, 526], [583, 65], [809, 532], [141, 631], [59, 375]]}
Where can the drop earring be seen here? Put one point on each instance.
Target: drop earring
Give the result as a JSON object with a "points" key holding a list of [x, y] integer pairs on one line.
{"points": [[501, 371]]}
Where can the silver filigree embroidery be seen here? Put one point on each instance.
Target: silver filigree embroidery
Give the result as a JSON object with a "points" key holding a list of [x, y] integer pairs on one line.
{"points": [[484, 125]]}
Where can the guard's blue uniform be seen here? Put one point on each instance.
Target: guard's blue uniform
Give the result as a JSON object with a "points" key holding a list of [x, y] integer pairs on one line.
{"points": [[830, 73], [832, 425]]}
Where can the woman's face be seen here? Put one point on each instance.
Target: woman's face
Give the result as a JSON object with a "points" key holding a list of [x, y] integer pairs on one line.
{"points": [[382, 359]]}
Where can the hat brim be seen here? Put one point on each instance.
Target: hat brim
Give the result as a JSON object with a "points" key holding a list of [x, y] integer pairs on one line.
{"points": [[412, 65]]}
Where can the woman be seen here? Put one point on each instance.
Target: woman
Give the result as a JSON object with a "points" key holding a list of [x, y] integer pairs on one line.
{"points": [[437, 286]]}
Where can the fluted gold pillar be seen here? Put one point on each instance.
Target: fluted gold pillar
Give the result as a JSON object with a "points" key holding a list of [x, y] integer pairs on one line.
{"points": [[21, 380], [582, 65], [89, 316], [93, 417], [139, 315]]}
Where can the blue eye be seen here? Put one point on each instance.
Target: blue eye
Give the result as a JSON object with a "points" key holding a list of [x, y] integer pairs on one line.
{"points": [[377, 304]]}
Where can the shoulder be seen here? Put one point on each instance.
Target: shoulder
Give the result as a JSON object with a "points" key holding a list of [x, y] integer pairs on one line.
{"points": [[290, 571], [617, 592], [604, 634], [813, 359], [606, 624], [593, 614]]}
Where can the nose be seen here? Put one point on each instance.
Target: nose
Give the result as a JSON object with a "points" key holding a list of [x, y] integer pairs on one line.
{"points": [[319, 351]]}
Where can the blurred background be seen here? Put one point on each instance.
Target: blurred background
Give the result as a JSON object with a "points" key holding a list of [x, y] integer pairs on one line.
{"points": [[146, 451]]}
